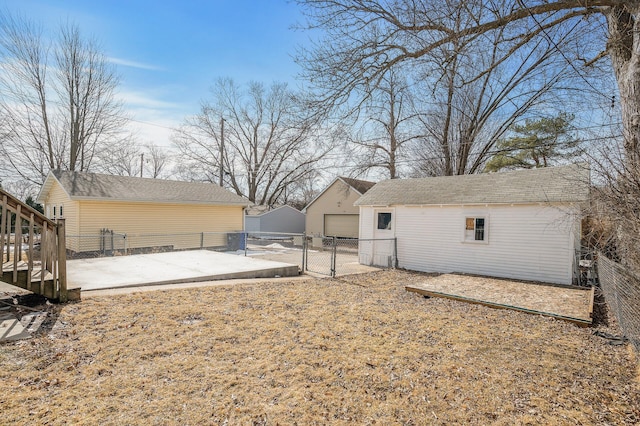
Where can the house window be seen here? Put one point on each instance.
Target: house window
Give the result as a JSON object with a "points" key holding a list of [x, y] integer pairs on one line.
{"points": [[384, 220], [54, 211], [60, 211], [475, 229]]}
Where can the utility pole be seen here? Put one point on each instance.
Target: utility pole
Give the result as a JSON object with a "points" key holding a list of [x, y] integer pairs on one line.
{"points": [[221, 149], [141, 163]]}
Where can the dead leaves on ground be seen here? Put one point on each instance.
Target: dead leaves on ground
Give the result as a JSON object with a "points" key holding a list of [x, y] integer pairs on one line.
{"points": [[360, 349]]}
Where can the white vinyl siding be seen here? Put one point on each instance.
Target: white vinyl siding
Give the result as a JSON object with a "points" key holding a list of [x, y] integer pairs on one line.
{"points": [[528, 242]]}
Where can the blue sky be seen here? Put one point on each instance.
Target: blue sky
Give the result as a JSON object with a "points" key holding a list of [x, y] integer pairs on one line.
{"points": [[168, 53]]}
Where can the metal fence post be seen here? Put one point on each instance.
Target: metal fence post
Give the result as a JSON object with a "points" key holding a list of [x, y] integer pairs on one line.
{"points": [[244, 236], [333, 258], [304, 251], [395, 252]]}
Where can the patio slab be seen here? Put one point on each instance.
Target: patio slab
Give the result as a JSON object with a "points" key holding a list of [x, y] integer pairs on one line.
{"points": [[169, 268], [569, 303]]}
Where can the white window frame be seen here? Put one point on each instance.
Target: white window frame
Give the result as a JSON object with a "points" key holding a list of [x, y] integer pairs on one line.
{"points": [[469, 237]]}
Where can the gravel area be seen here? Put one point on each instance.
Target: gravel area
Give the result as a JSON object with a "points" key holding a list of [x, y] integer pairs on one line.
{"points": [[359, 350]]}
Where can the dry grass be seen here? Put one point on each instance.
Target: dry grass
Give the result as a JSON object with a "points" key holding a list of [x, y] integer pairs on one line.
{"points": [[357, 350]]}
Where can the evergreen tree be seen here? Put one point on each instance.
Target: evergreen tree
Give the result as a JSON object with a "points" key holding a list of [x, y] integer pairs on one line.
{"points": [[32, 203], [537, 143]]}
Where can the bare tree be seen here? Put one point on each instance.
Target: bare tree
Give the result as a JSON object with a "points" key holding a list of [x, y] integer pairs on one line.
{"points": [[121, 158], [390, 124], [268, 142], [156, 161], [128, 158], [474, 85], [57, 97], [614, 220], [365, 38]]}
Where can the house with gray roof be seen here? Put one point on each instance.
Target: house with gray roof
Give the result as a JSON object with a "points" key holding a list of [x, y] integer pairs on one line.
{"points": [[523, 224], [279, 219], [134, 206], [332, 213]]}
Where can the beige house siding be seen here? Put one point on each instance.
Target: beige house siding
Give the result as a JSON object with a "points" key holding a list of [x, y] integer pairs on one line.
{"points": [[177, 215], [338, 198], [155, 224], [58, 197]]}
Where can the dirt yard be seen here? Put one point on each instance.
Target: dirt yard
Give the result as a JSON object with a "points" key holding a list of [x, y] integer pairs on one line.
{"points": [[357, 350]]}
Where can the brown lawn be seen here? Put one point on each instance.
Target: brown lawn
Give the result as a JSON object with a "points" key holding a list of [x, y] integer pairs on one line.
{"points": [[357, 350]]}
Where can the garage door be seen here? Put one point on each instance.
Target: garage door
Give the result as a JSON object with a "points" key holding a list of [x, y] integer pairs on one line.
{"points": [[341, 225]]}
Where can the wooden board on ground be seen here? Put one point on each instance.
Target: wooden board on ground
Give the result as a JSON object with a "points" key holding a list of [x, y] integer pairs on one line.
{"points": [[570, 303], [11, 329]]}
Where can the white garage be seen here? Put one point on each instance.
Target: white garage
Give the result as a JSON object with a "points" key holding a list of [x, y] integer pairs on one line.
{"points": [[521, 224]]}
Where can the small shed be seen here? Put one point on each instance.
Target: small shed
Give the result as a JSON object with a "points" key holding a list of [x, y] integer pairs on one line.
{"points": [[522, 224], [332, 212], [281, 219], [91, 202]]}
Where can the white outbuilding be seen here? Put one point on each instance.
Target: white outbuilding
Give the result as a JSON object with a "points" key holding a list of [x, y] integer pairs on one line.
{"points": [[523, 224]]}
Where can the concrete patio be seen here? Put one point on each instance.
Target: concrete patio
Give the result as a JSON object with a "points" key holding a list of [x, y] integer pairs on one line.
{"points": [[169, 268]]}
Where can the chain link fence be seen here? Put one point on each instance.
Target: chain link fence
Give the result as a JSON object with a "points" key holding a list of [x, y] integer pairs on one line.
{"points": [[621, 291], [329, 256], [341, 256]]}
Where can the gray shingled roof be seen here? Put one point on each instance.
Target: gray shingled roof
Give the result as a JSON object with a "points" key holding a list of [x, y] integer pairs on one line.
{"points": [[551, 184], [81, 185], [361, 186]]}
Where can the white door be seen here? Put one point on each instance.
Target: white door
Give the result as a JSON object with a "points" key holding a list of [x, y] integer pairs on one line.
{"points": [[384, 233]]}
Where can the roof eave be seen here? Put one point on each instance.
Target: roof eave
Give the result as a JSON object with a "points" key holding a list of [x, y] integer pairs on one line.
{"points": [[125, 200], [505, 203], [46, 188], [304, 210]]}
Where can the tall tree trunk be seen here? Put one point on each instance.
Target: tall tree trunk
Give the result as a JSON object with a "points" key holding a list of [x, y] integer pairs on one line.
{"points": [[624, 50]]}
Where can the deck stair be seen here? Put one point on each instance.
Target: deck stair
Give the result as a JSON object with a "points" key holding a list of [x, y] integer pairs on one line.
{"points": [[32, 249]]}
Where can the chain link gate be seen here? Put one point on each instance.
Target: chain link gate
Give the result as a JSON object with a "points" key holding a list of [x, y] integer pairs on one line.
{"points": [[333, 256], [320, 255]]}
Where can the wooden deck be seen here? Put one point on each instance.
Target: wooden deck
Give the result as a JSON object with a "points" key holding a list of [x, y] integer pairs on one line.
{"points": [[24, 266], [22, 225], [570, 303]]}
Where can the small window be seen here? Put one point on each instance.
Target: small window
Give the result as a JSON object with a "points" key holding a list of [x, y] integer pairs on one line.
{"points": [[384, 220], [475, 229], [54, 211], [60, 211]]}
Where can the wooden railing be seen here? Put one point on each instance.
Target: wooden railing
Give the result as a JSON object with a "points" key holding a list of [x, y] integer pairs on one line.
{"points": [[42, 267]]}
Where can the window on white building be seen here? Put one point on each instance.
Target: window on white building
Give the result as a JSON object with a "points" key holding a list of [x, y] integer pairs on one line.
{"points": [[384, 220], [475, 229]]}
